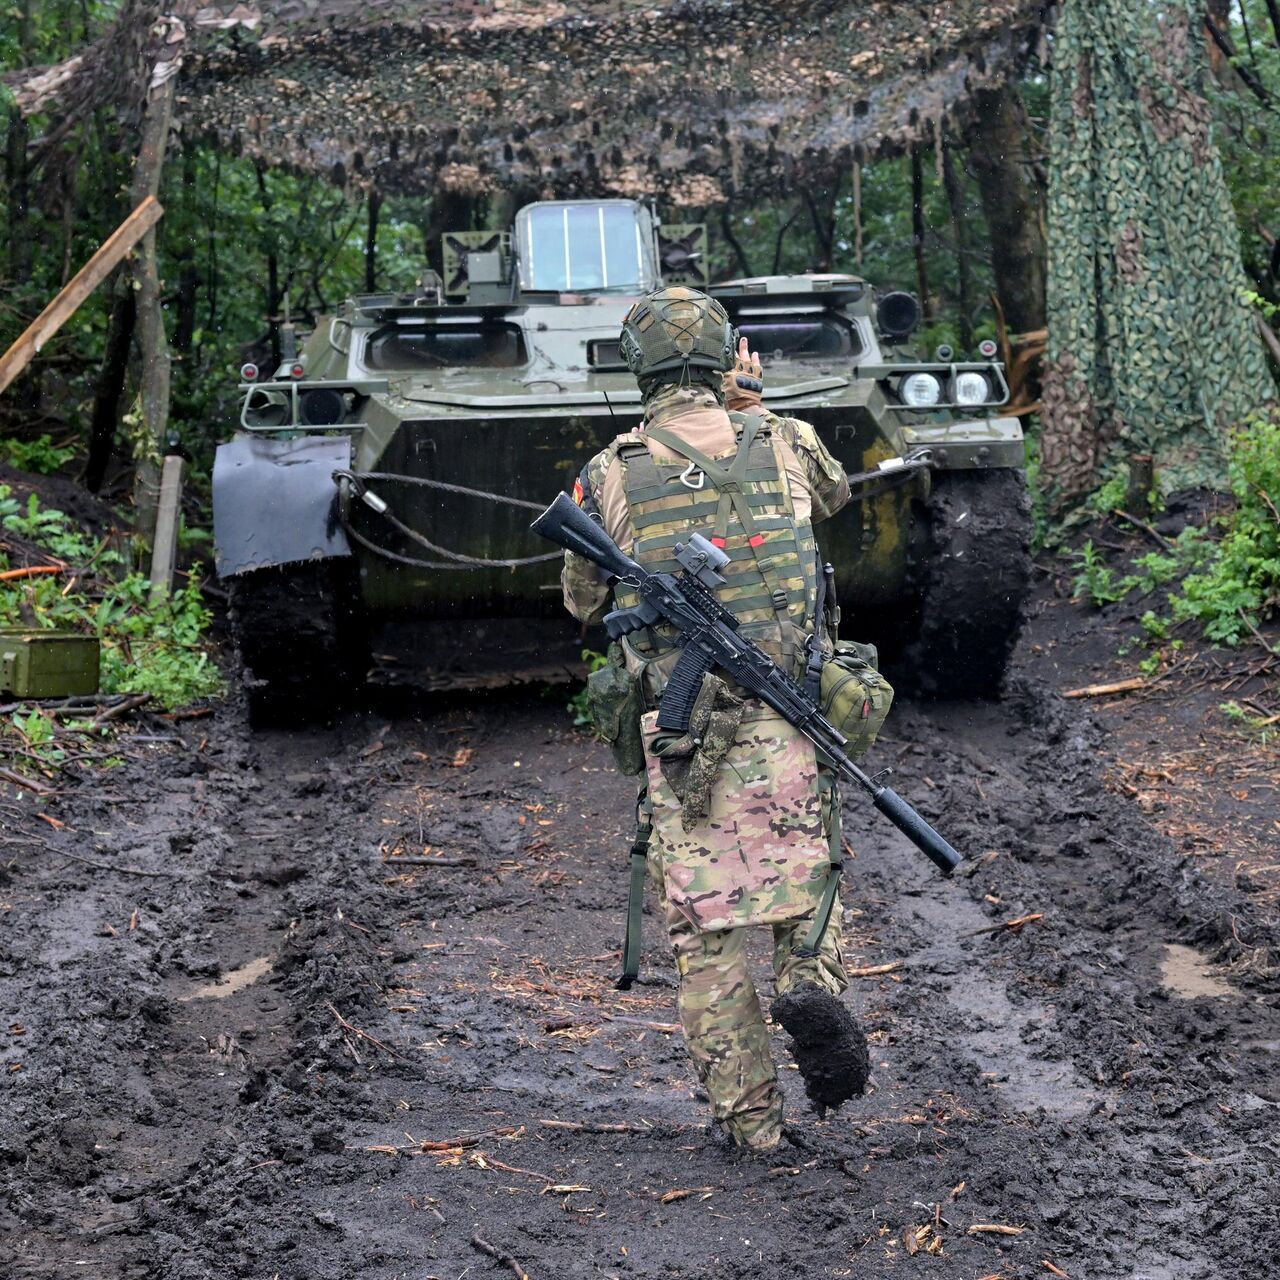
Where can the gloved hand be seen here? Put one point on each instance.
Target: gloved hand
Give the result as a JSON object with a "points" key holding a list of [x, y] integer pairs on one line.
{"points": [[744, 383]]}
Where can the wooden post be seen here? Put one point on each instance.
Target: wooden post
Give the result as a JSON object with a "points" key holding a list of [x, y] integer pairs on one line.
{"points": [[1142, 478], [164, 552], [138, 224]]}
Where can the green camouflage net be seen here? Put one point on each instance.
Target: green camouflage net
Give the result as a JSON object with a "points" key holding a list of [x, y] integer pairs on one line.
{"points": [[689, 101], [1151, 348]]}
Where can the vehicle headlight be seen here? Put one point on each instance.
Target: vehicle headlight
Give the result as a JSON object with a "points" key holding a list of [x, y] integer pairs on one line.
{"points": [[971, 388], [920, 390]]}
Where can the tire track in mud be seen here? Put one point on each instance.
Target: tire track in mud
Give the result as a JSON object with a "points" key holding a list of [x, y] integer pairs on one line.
{"points": [[304, 1063]]}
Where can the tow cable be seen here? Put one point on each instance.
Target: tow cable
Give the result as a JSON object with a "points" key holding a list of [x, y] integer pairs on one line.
{"points": [[454, 560]]}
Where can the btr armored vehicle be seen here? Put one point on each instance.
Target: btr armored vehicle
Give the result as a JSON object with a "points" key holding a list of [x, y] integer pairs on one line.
{"points": [[387, 472]]}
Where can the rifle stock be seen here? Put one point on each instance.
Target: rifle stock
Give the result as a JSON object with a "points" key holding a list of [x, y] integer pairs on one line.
{"points": [[568, 526]]}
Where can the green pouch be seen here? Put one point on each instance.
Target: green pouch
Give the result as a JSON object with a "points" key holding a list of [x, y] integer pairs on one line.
{"points": [[854, 696], [614, 700]]}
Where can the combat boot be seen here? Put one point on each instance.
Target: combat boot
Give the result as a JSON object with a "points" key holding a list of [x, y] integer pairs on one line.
{"points": [[827, 1044]]}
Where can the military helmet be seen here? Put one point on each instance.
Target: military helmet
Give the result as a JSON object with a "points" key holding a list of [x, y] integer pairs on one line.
{"points": [[676, 328]]}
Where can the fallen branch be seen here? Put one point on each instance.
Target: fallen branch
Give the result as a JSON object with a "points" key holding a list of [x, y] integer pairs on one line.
{"points": [[588, 1126], [1014, 926], [1102, 690], [31, 571], [499, 1255], [361, 1034], [1257, 635], [483, 1161], [121, 709], [668, 1027], [994, 1229], [874, 970], [1159, 538], [682, 1193], [8, 775], [428, 862]]}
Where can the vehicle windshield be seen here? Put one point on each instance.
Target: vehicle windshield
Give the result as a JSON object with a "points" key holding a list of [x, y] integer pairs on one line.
{"points": [[486, 345], [581, 247], [801, 337]]}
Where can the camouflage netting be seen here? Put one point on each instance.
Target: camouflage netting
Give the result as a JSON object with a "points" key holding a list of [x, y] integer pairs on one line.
{"points": [[1151, 348], [690, 100]]}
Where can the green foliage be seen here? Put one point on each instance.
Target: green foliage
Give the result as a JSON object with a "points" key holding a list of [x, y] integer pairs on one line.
{"points": [[1096, 581], [1240, 587], [153, 646], [40, 455], [1229, 587], [578, 707], [51, 529]]}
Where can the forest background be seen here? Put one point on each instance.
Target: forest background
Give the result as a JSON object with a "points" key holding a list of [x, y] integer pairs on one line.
{"points": [[243, 245]]}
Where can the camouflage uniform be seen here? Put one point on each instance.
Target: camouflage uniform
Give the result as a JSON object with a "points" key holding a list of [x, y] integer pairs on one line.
{"points": [[751, 857]]}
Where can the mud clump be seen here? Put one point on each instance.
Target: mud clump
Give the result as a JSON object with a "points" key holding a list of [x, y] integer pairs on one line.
{"points": [[829, 1047]]}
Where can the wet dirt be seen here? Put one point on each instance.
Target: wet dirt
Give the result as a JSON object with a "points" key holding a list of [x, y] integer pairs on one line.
{"points": [[255, 1048]]}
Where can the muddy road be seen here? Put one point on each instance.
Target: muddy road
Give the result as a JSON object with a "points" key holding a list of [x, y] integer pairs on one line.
{"points": [[237, 1043]]}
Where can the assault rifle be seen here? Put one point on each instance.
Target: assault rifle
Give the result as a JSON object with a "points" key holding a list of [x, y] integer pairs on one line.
{"points": [[709, 638]]}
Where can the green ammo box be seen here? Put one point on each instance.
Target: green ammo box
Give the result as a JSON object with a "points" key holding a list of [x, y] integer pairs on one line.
{"points": [[48, 664]]}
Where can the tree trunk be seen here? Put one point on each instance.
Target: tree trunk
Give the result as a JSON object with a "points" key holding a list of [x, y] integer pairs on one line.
{"points": [[155, 371], [731, 239], [918, 232], [371, 244], [273, 270], [106, 400], [959, 228], [19, 264], [188, 277], [1003, 156]]}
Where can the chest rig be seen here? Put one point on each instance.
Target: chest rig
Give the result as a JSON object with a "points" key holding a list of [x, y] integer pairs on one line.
{"points": [[744, 505]]}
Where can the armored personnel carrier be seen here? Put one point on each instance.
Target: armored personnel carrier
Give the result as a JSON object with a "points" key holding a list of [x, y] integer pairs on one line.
{"points": [[388, 470]]}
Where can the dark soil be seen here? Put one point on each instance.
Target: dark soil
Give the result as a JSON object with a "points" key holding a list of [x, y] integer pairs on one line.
{"points": [[244, 1044]]}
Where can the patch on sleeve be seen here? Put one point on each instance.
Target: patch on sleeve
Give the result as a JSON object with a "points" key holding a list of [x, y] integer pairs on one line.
{"points": [[577, 491]]}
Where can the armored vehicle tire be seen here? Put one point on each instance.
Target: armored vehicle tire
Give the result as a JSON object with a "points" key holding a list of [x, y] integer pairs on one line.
{"points": [[977, 572], [303, 647]]}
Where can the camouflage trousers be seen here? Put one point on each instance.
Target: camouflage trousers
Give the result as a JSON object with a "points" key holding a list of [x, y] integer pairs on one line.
{"points": [[723, 1025]]}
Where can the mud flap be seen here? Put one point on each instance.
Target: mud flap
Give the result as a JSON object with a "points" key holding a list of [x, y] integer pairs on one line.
{"points": [[274, 501]]}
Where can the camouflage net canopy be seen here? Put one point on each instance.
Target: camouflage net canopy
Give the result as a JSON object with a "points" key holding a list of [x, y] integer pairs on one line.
{"points": [[1151, 347], [687, 100]]}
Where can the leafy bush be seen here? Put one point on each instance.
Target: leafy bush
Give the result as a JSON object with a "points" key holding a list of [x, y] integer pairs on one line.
{"points": [[148, 646], [40, 455], [1231, 586], [1239, 587]]}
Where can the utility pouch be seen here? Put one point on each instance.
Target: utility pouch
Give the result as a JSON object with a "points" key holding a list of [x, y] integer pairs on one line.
{"points": [[854, 696], [615, 702]]}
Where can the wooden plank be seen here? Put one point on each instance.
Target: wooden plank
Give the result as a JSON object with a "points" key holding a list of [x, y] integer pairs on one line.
{"points": [[165, 552], [78, 289]]}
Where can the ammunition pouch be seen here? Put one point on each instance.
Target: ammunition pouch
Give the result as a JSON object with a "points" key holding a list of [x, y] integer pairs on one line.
{"points": [[854, 696], [615, 702]]}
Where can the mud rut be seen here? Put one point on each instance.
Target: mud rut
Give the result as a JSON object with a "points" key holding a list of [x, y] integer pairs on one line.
{"points": [[303, 1063]]}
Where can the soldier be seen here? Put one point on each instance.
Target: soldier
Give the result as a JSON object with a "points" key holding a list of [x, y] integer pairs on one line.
{"points": [[745, 824]]}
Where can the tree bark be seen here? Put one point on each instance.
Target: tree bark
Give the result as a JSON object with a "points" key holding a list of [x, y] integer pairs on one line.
{"points": [[1003, 157], [273, 268], [918, 232], [371, 244], [18, 199], [155, 371], [188, 277], [731, 239], [106, 400], [959, 228]]}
